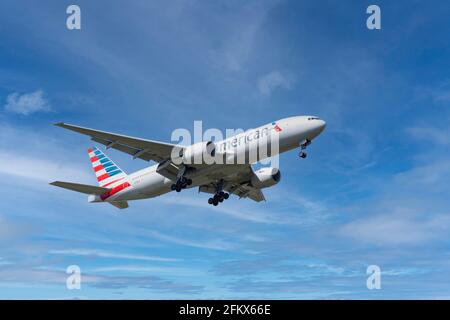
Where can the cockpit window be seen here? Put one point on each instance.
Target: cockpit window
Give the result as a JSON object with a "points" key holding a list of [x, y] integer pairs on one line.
{"points": [[313, 118]]}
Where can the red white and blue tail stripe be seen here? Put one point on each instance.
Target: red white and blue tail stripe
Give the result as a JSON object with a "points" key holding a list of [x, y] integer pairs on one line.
{"points": [[106, 171]]}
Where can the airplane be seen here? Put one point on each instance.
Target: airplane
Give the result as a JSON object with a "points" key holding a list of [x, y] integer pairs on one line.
{"points": [[229, 173]]}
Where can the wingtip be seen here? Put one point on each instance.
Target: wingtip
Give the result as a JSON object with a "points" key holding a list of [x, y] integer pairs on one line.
{"points": [[59, 124]]}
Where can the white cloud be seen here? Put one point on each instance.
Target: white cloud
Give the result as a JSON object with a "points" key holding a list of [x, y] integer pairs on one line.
{"points": [[27, 103], [272, 81]]}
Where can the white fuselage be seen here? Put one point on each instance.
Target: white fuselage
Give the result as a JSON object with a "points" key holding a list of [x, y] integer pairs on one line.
{"points": [[148, 183]]}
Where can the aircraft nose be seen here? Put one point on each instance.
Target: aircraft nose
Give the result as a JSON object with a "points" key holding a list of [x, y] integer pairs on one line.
{"points": [[322, 124], [312, 126]]}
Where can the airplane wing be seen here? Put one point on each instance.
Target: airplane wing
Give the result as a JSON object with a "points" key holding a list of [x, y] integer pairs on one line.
{"points": [[138, 148], [236, 182]]}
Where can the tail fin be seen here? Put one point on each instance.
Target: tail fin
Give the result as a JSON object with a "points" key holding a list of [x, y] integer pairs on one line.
{"points": [[107, 172]]}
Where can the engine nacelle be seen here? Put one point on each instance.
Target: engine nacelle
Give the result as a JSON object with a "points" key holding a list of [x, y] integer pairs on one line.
{"points": [[198, 152], [266, 177]]}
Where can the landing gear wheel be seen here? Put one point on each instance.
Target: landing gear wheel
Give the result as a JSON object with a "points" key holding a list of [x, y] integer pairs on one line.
{"points": [[303, 154], [189, 182], [178, 188], [173, 187], [218, 198]]}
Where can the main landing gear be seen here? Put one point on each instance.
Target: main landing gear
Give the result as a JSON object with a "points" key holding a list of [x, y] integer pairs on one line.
{"points": [[303, 146], [182, 183], [218, 197]]}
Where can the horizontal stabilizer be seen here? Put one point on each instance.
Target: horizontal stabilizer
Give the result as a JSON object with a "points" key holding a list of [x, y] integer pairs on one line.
{"points": [[83, 188]]}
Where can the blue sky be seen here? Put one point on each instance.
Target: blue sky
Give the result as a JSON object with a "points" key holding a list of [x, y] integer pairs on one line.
{"points": [[373, 190]]}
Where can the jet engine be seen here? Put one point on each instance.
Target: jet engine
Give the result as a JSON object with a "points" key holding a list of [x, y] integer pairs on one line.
{"points": [[265, 177], [196, 153]]}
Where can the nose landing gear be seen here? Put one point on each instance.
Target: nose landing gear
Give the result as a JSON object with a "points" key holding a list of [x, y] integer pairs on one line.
{"points": [[303, 146]]}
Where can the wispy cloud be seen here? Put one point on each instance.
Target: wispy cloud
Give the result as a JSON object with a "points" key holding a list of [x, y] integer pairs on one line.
{"points": [[238, 38], [10, 230], [240, 210], [441, 93], [56, 276], [368, 193], [41, 169], [4, 262], [149, 270], [29, 155], [351, 151], [108, 254], [427, 178], [432, 134], [272, 81], [27, 103], [214, 244], [396, 229]]}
